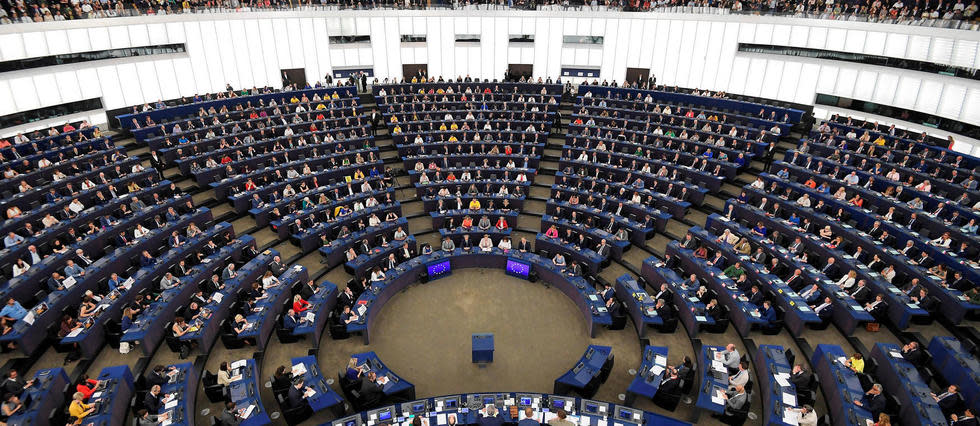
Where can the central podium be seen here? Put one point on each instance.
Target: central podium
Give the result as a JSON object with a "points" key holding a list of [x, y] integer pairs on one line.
{"points": [[482, 348]]}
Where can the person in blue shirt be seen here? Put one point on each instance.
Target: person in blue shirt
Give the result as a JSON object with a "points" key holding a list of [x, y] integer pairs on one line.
{"points": [[528, 419], [12, 239], [759, 229], [823, 188], [793, 218], [290, 320], [740, 160], [13, 311], [115, 282], [73, 270], [127, 319], [768, 314], [783, 174], [743, 197]]}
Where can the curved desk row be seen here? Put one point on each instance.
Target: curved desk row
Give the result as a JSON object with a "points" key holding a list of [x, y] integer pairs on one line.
{"points": [[580, 291], [588, 373], [467, 409]]}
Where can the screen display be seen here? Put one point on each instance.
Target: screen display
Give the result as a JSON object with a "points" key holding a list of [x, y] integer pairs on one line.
{"points": [[418, 407], [525, 401], [450, 403], [625, 414], [384, 415], [518, 268], [558, 403], [350, 423], [488, 400], [592, 408], [438, 269]]}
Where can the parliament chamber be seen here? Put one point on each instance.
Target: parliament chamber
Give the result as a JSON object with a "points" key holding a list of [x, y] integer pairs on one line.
{"points": [[582, 215]]}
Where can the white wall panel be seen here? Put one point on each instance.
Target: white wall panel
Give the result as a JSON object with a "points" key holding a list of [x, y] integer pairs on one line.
{"points": [[138, 35], [908, 91], [929, 95], [818, 38], [896, 45], [112, 93], [269, 56], [836, 37], [12, 47], [35, 44], [5, 93], [25, 95], [874, 44], [965, 53], [118, 37], [167, 77], [198, 59], [854, 41], [47, 89], [89, 82], [799, 36], [846, 79], [885, 88], [224, 53], [129, 83], [971, 106], [941, 50], [827, 80], [57, 42], [149, 81], [807, 86], [771, 79], [864, 86], [175, 32], [157, 33], [789, 79], [740, 70], [242, 55], [918, 48], [99, 38], [78, 40], [186, 80], [951, 104], [68, 86]]}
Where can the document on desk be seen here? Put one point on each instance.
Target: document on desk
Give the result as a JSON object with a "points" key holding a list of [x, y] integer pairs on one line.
{"points": [[718, 366], [217, 296], [656, 370], [895, 354], [383, 380], [790, 417], [789, 399], [716, 397], [549, 417], [248, 411], [239, 364], [76, 332], [781, 380], [441, 418], [299, 370], [171, 404]]}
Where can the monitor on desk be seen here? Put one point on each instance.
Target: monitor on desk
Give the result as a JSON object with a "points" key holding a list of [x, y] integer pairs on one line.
{"points": [[627, 414], [518, 268], [560, 403], [449, 403], [354, 420], [438, 269], [593, 408]]}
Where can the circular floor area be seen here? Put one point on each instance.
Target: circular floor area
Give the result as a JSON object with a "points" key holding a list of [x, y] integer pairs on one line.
{"points": [[423, 333]]}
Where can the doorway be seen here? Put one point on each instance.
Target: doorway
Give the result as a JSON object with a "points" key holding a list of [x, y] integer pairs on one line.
{"points": [[418, 71], [516, 71], [294, 76], [637, 75]]}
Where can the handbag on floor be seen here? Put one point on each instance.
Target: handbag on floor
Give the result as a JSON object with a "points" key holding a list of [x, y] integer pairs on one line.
{"points": [[872, 326]]}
